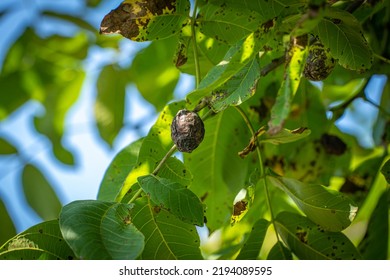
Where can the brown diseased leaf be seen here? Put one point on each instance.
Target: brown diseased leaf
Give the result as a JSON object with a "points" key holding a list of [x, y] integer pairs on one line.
{"points": [[132, 16], [239, 207]]}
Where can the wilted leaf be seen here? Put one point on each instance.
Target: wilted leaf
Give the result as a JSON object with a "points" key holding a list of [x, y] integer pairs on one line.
{"points": [[285, 136], [142, 20], [282, 137], [173, 197], [99, 230], [309, 241], [40, 193], [43, 241], [330, 209]]}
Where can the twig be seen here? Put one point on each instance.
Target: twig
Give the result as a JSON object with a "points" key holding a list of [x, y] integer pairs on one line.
{"points": [[195, 45], [272, 66]]}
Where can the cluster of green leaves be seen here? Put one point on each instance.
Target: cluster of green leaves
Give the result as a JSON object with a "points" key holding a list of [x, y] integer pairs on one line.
{"points": [[273, 178]]}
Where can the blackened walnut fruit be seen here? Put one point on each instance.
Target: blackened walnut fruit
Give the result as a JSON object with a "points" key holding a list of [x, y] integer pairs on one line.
{"points": [[187, 131], [319, 63], [333, 145]]}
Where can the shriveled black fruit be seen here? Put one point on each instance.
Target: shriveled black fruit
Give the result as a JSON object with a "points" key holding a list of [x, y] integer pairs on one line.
{"points": [[333, 145], [319, 63], [187, 131]]}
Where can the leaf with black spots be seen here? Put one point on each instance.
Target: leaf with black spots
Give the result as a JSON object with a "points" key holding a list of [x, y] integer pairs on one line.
{"points": [[99, 230], [309, 241], [330, 209], [43, 241], [144, 20], [173, 197]]}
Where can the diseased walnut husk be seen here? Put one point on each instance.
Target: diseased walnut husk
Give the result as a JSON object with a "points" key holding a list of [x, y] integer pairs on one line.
{"points": [[187, 130], [319, 63], [333, 145]]}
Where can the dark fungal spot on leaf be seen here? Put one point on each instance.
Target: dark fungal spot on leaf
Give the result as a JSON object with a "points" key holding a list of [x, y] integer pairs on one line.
{"points": [[127, 220], [239, 207], [337, 21], [128, 19], [302, 236], [204, 196], [319, 63], [40, 231], [156, 209]]}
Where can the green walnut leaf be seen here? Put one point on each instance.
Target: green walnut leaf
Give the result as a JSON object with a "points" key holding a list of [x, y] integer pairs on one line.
{"points": [[100, 230], [144, 20], [252, 246], [385, 170], [279, 252], [166, 236], [117, 171], [173, 197], [40, 193], [240, 55], [153, 148], [227, 23], [330, 209], [6, 148], [8, 229], [310, 241], [377, 234], [109, 110], [238, 88], [341, 32], [292, 77], [43, 241]]}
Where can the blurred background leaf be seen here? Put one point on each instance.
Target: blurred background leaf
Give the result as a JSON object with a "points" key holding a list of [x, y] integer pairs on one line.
{"points": [[7, 226], [40, 194]]}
